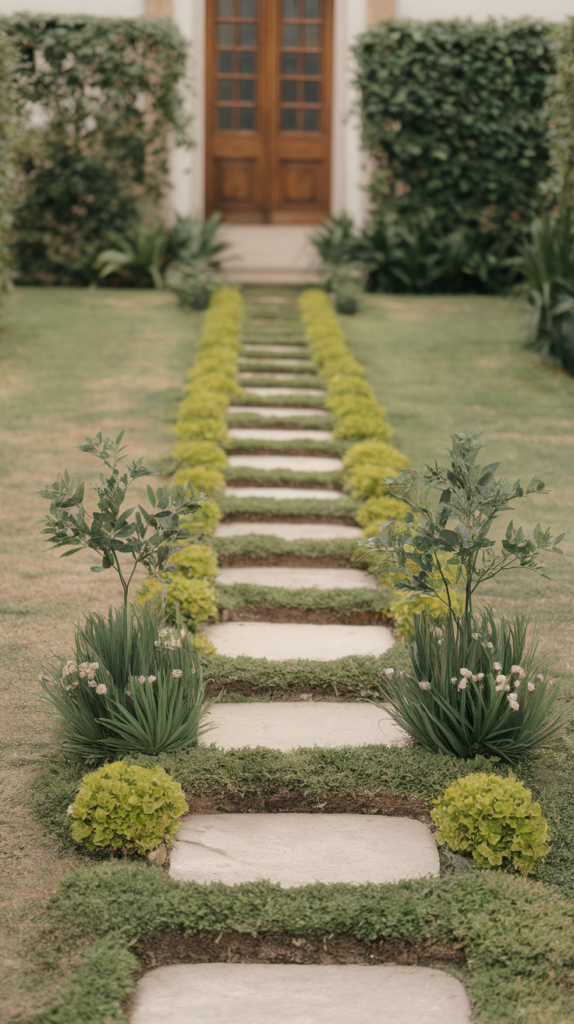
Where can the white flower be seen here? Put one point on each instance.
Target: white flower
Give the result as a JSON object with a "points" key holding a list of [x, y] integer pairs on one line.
{"points": [[462, 684], [101, 688], [177, 673], [501, 686], [475, 679], [141, 679], [70, 809], [540, 677], [500, 679], [497, 666], [517, 670], [480, 676], [454, 679], [389, 672], [69, 668], [517, 683], [531, 687], [92, 683], [490, 646], [475, 636], [128, 693], [465, 672], [551, 682], [514, 706], [151, 679]]}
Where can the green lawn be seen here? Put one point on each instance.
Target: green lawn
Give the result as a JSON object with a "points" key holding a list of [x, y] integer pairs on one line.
{"points": [[451, 363], [72, 362]]}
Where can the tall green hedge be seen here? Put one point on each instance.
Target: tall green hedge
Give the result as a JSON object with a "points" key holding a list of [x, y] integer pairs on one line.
{"points": [[99, 100], [8, 134], [454, 115], [561, 111]]}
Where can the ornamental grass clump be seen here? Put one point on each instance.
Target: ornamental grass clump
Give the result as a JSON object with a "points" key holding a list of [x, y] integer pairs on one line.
{"points": [[128, 808], [495, 820], [135, 685]]}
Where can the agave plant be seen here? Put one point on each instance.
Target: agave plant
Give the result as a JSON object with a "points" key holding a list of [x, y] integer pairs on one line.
{"points": [[192, 241], [138, 255]]}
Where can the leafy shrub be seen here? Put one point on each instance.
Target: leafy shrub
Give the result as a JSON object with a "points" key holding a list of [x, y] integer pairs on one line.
{"points": [[406, 606], [378, 511], [474, 694], [127, 807], [135, 686], [107, 92], [547, 264], [196, 560], [493, 818], [453, 113], [193, 598], [561, 118], [335, 241], [194, 283], [8, 139], [346, 282], [194, 453], [368, 464], [137, 254], [202, 478], [192, 240], [361, 422]]}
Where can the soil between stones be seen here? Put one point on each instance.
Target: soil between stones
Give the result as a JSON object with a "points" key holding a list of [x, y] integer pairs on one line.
{"points": [[285, 801], [288, 558], [310, 616], [281, 517], [160, 949]]}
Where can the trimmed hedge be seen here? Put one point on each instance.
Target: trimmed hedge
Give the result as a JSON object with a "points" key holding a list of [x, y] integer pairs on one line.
{"points": [[8, 138]]}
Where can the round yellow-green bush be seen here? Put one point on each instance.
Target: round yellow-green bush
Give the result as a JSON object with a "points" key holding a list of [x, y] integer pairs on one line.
{"points": [[195, 597], [201, 478], [494, 819], [361, 423], [211, 429], [196, 560], [205, 520], [377, 511], [200, 453], [407, 603], [127, 807]]}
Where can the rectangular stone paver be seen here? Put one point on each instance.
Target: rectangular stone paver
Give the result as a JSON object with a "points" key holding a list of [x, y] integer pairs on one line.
{"points": [[283, 492], [298, 578], [234, 993], [276, 410], [297, 463], [286, 725], [284, 641], [270, 391], [300, 849], [276, 434], [291, 531]]}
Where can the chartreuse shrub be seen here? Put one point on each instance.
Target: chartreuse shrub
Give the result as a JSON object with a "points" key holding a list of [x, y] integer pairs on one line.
{"points": [[495, 820], [127, 807], [455, 116]]}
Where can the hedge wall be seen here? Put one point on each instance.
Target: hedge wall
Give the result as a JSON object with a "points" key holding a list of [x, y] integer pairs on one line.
{"points": [[454, 115], [8, 134], [99, 99]]}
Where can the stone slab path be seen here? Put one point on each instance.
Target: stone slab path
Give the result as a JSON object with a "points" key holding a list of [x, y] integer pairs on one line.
{"points": [[276, 410], [283, 492], [298, 579], [301, 849], [287, 725], [283, 641], [232, 993], [298, 463]]}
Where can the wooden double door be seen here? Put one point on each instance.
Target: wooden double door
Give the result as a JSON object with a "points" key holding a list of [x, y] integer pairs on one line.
{"points": [[269, 109]]}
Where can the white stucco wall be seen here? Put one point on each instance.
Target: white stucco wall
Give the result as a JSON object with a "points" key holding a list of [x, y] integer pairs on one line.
{"points": [[424, 10], [101, 8]]}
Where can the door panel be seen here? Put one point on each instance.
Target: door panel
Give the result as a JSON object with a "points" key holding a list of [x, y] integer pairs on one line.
{"points": [[268, 109]]}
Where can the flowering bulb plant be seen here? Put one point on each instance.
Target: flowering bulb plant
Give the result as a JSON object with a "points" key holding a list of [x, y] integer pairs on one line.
{"points": [[147, 537], [500, 706]]}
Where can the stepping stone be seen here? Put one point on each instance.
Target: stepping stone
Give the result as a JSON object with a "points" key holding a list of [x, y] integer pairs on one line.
{"points": [[269, 392], [300, 849], [285, 641], [271, 434], [296, 350], [291, 531], [287, 725], [282, 492], [298, 578], [305, 363], [300, 463], [281, 376], [236, 993], [276, 410]]}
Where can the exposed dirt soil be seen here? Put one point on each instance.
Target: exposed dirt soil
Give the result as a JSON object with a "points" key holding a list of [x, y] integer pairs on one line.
{"points": [[268, 517], [324, 485], [317, 616], [160, 949], [288, 802], [262, 450], [290, 559]]}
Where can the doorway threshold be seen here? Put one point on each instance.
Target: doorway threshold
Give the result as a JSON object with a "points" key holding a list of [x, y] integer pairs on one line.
{"points": [[272, 254]]}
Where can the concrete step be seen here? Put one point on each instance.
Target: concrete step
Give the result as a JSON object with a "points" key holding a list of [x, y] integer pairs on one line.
{"points": [[290, 531], [287, 725], [285, 641], [300, 849], [294, 993], [268, 392], [282, 492], [276, 410], [298, 578], [297, 463], [271, 434]]}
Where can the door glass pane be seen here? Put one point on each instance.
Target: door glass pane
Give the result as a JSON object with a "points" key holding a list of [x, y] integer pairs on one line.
{"points": [[246, 118], [311, 35], [290, 8], [225, 62], [246, 90], [225, 89], [224, 118], [290, 35], [290, 64], [311, 120], [247, 63], [246, 8], [225, 34], [247, 34], [289, 119], [311, 8], [224, 8], [311, 64], [311, 92], [289, 92]]}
